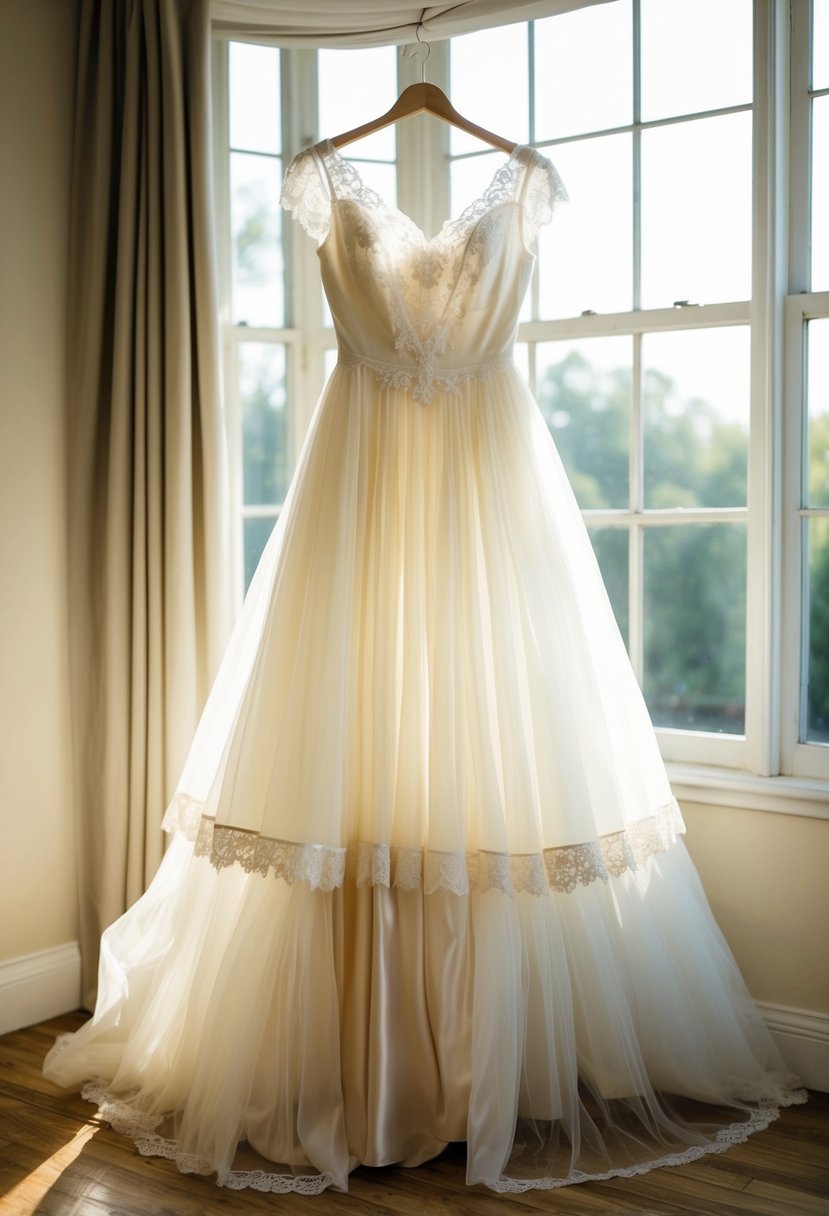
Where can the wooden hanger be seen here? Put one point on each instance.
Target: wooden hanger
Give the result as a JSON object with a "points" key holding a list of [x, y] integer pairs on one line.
{"points": [[416, 99]]}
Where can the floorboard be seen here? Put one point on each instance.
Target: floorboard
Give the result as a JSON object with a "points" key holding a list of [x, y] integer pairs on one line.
{"points": [[58, 1159]]}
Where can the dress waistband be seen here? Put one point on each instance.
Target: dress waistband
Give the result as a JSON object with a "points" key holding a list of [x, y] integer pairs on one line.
{"points": [[424, 378]]}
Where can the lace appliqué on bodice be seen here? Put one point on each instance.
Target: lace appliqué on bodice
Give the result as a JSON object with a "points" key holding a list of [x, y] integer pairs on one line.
{"points": [[325, 868], [426, 283]]}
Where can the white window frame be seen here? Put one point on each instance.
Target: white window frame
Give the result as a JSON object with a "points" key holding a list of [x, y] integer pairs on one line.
{"points": [[766, 769], [801, 305]]}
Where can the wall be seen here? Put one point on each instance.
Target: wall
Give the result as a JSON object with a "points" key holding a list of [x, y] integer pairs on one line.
{"points": [[766, 880], [37, 870], [765, 876]]}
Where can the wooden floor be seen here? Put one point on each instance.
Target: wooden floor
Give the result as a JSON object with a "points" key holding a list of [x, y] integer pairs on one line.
{"points": [[56, 1158]]}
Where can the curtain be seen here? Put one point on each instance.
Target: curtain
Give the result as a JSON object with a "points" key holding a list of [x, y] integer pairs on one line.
{"points": [[371, 22], [149, 605]]}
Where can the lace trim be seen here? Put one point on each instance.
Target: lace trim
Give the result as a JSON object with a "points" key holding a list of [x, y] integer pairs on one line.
{"points": [[140, 1128], [544, 192], [325, 867], [304, 194], [393, 376], [319, 865], [735, 1133]]}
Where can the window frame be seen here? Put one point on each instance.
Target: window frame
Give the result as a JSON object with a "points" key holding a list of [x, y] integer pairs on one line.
{"points": [[801, 305], [767, 768]]}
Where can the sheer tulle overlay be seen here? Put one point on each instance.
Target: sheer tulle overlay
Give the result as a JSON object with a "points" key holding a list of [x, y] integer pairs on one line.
{"points": [[426, 881]]}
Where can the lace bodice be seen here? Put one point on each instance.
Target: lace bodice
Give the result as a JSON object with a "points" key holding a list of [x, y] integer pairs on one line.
{"points": [[422, 313]]}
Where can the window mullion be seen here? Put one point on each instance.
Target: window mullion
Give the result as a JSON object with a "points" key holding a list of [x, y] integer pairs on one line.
{"points": [[220, 124], [636, 541], [800, 160], [769, 271], [793, 601], [423, 147], [636, 151], [303, 286]]}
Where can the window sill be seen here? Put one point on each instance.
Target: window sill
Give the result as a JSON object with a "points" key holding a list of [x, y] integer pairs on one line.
{"points": [[802, 796]]}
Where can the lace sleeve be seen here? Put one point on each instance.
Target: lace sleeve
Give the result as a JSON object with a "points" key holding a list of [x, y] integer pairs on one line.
{"points": [[543, 191], [304, 193]]}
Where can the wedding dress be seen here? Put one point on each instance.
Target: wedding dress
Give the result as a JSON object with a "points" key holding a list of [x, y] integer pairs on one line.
{"points": [[426, 880]]}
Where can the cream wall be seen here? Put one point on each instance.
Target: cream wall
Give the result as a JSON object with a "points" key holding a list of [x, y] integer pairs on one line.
{"points": [[37, 871], [767, 880]]}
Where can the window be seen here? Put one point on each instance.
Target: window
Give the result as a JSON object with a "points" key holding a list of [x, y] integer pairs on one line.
{"points": [[278, 342], [670, 319], [637, 341]]}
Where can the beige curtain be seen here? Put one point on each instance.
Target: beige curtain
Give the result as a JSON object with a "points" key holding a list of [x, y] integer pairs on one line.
{"points": [[149, 607], [372, 22]]}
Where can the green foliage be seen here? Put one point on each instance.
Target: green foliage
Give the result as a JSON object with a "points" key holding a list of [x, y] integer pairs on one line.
{"points": [[259, 231], [264, 444], [694, 574]]}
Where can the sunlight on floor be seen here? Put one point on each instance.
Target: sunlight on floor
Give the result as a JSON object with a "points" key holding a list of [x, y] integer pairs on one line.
{"points": [[27, 1194]]}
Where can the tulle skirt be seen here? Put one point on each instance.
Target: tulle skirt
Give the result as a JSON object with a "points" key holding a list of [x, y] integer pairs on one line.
{"points": [[426, 880]]}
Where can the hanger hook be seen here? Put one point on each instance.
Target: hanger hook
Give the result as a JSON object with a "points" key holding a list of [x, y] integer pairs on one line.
{"points": [[413, 52]]}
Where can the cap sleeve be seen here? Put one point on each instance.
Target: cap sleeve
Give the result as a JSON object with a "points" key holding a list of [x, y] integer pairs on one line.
{"points": [[305, 194], [543, 192]]}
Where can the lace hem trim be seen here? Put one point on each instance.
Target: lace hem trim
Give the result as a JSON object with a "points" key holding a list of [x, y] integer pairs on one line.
{"points": [[325, 868], [726, 1137], [140, 1127], [422, 380]]}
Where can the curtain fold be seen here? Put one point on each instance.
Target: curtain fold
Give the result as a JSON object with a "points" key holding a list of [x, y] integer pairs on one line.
{"points": [[147, 513], [371, 22]]}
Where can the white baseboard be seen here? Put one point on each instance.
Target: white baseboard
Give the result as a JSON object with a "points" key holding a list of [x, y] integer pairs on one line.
{"points": [[39, 986], [48, 983], [803, 1040]]}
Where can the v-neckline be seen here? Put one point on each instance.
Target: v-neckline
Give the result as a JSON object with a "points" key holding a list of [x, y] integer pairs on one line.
{"points": [[327, 148]]}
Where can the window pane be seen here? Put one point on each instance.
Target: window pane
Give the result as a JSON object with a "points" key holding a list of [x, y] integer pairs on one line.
{"points": [[583, 389], [355, 87], [469, 178], [256, 228], [820, 45], [820, 193], [256, 533], [266, 456], [255, 114], [817, 660], [611, 548], [696, 55], [489, 84], [695, 622], [817, 488], [696, 405], [583, 71], [586, 255], [696, 211], [380, 177]]}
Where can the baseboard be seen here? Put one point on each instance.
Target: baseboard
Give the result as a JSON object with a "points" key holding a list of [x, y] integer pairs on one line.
{"points": [[803, 1040], [39, 986]]}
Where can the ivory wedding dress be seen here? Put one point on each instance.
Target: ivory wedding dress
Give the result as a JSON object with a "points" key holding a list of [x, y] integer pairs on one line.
{"points": [[426, 881]]}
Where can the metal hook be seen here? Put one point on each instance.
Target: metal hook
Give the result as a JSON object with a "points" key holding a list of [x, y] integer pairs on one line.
{"points": [[413, 52]]}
